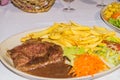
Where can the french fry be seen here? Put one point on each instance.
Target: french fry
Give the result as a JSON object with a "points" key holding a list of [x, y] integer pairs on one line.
{"points": [[40, 33], [72, 34], [25, 38], [79, 27], [55, 36], [89, 40], [93, 32], [94, 44], [66, 42], [81, 33]]}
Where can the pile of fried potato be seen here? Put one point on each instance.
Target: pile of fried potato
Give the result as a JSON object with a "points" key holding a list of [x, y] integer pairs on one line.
{"points": [[72, 34]]}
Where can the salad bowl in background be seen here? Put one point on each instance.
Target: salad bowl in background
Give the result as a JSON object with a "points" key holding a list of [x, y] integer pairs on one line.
{"points": [[110, 14]]}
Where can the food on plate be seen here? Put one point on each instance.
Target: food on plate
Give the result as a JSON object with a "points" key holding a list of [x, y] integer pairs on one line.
{"points": [[34, 6], [90, 65], [112, 13], [76, 48], [35, 56], [72, 34]]}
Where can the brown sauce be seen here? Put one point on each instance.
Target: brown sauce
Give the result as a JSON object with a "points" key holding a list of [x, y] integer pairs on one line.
{"points": [[56, 70]]}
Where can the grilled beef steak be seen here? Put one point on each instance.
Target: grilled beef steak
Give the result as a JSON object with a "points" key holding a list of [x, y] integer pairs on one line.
{"points": [[35, 54]]}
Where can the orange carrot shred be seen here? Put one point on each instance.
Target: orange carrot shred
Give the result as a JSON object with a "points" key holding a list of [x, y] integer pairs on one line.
{"points": [[87, 64], [116, 15]]}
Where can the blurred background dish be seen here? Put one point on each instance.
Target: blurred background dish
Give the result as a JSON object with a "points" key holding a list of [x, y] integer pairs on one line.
{"points": [[110, 14], [69, 8], [33, 6], [102, 4]]}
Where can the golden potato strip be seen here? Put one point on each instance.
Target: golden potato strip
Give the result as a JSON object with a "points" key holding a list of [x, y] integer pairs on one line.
{"points": [[81, 28], [78, 26], [96, 28], [109, 33], [55, 36], [67, 32], [93, 32], [25, 38], [81, 33], [92, 45], [39, 33], [102, 30], [46, 31], [89, 40], [54, 41], [72, 34], [66, 42]]}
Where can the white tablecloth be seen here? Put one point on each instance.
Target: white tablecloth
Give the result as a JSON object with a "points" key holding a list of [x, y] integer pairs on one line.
{"points": [[13, 20]]}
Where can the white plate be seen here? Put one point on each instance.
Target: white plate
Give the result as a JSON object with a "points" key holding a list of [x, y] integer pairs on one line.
{"points": [[109, 24], [14, 40]]}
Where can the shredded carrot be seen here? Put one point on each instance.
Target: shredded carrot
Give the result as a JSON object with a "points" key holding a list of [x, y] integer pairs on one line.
{"points": [[87, 64], [116, 15]]}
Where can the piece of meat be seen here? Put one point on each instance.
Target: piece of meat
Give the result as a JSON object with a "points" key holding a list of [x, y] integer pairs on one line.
{"points": [[31, 49], [20, 60], [53, 55], [34, 53]]}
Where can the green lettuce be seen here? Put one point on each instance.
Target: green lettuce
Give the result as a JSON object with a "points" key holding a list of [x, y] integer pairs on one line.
{"points": [[110, 56], [71, 52], [113, 39], [115, 22]]}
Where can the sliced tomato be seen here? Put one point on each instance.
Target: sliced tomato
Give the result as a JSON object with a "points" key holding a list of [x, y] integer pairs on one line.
{"points": [[118, 46], [116, 15], [112, 45]]}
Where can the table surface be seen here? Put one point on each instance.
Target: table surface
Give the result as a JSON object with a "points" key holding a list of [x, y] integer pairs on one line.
{"points": [[13, 21]]}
